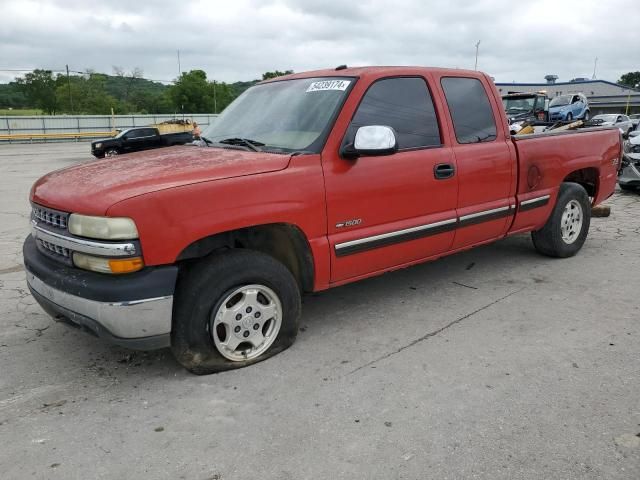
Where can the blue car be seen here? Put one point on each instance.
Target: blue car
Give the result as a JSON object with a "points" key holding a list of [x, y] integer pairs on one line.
{"points": [[566, 108]]}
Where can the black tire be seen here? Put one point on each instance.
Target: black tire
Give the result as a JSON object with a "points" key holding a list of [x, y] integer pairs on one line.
{"points": [[587, 116], [548, 240], [200, 292], [627, 188], [569, 117], [111, 152]]}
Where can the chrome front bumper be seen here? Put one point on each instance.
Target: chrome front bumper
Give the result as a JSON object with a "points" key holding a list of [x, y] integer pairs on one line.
{"points": [[133, 310], [132, 319]]}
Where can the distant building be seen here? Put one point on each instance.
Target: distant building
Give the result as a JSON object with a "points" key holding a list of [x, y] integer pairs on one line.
{"points": [[604, 97]]}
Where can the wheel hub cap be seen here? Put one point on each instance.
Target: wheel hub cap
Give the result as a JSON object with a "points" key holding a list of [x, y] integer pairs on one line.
{"points": [[571, 222], [247, 322]]}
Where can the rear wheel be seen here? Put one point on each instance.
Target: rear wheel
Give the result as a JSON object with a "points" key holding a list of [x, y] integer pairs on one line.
{"points": [[233, 310], [587, 116], [566, 229]]}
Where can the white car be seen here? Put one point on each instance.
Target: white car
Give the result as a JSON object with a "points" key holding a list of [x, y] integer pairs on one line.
{"points": [[614, 119]]}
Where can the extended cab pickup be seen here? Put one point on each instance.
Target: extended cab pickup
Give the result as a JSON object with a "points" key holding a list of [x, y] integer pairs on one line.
{"points": [[306, 182], [137, 139]]}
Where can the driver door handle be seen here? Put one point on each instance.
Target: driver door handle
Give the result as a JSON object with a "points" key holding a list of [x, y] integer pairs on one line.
{"points": [[443, 171]]}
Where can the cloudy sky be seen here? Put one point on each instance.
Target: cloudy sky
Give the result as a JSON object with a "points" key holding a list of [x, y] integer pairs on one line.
{"points": [[239, 39]]}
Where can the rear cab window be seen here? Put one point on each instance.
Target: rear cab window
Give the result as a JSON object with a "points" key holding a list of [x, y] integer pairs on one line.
{"points": [[404, 104], [471, 112]]}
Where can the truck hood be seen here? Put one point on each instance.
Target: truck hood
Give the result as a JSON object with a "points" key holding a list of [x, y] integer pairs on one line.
{"points": [[91, 188]]}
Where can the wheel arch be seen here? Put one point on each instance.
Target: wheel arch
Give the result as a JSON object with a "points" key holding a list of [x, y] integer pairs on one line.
{"points": [[283, 241], [588, 178]]}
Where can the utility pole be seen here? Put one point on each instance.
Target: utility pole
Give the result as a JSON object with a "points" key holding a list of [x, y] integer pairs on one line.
{"points": [[69, 84], [215, 103], [595, 64], [179, 69], [477, 48]]}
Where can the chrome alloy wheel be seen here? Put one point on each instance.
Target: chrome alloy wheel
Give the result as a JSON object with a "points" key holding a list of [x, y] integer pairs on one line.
{"points": [[571, 222], [247, 322]]}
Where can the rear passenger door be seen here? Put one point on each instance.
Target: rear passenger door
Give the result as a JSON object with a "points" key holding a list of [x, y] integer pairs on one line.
{"points": [[485, 160]]}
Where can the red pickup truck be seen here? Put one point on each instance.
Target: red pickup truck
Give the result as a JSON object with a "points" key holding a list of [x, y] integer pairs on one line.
{"points": [[303, 183]]}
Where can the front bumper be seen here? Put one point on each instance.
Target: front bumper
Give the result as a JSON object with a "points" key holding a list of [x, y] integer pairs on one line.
{"points": [[133, 310], [630, 173]]}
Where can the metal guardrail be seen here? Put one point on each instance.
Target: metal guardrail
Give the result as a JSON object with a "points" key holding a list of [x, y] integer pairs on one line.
{"points": [[70, 128], [55, 136]]}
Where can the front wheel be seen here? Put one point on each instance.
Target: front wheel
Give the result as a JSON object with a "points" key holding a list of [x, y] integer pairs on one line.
{"points": [[566, 229], [569, 117], [111, 152], [233, 310], [627, 188]]}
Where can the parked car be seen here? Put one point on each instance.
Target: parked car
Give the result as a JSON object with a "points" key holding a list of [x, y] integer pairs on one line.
{"points": [[136, 139], [614, 120], [629, 176], [569, 107], [309, 181], [635, 120], [525, 107]]}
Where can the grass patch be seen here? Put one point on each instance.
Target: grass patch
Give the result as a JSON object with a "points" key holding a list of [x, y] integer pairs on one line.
{"points": [[20, 112]]}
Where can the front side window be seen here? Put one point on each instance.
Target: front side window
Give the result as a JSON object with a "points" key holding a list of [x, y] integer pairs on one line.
{"points": [[286, 115], [403, 104], [473, 120], [560, 101]]}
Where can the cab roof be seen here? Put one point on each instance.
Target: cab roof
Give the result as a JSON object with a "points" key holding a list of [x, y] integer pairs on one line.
{"points": [[377, 71]]}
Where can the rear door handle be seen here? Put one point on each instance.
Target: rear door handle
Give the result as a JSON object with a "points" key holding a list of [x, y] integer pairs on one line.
{"points": [[443, 170]]}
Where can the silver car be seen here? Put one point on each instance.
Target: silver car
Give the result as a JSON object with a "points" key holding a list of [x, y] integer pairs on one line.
{"points": [[614, 119], [629, 175]]}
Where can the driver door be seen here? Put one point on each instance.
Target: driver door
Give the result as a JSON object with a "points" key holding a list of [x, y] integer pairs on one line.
{"points": [[388, 211]]}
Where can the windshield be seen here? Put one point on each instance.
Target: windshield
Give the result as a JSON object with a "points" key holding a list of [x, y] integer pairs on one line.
{"points": [[518, 104], [606, 118], [291, 115], [561, 100]]}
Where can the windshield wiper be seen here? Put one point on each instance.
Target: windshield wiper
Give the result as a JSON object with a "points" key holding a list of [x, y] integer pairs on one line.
{"points": [[250, 144], [206, 141]]}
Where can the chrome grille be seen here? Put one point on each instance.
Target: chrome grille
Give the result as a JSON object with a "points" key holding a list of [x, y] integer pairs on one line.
{"points": [[50, 217], [56, 249]]}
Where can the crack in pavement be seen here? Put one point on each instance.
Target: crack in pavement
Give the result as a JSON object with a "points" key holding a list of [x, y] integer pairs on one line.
{"points": [[17, 268], [435, 332]]}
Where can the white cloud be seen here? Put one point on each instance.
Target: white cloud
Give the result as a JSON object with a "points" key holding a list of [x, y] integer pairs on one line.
{"points": [[240, 39]]}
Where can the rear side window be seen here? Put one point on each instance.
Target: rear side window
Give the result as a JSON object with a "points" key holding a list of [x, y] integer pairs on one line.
{"points": [[403, 104], [470, 109]]}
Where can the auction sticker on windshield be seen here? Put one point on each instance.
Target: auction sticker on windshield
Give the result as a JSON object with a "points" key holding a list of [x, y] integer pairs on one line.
{"points": [[328, 85]]}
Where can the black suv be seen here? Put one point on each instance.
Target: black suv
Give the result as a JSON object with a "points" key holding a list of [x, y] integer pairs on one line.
{"points": [[136, 139]]}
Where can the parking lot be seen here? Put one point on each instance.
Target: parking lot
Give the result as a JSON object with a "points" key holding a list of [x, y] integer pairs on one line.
{"points": [[497, 363]]}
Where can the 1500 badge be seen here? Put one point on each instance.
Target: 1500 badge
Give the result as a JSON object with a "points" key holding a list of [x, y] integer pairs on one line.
{"points": [[349, 223]]}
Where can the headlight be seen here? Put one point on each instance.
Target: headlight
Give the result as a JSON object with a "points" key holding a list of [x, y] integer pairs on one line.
{"points": [[98, 145], [104, 228], [107, 265]]}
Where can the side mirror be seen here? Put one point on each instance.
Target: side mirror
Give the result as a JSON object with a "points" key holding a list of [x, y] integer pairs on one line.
{"points": [[372, 140]]}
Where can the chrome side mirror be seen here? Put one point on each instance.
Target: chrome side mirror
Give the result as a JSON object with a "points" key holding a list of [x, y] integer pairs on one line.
{"points": [[372, 140]]}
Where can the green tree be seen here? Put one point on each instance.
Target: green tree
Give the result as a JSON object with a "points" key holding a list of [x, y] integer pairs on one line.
{"points": [[630, 79], [192, 93], [275, 73], [89, 96], [40, 88]]}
